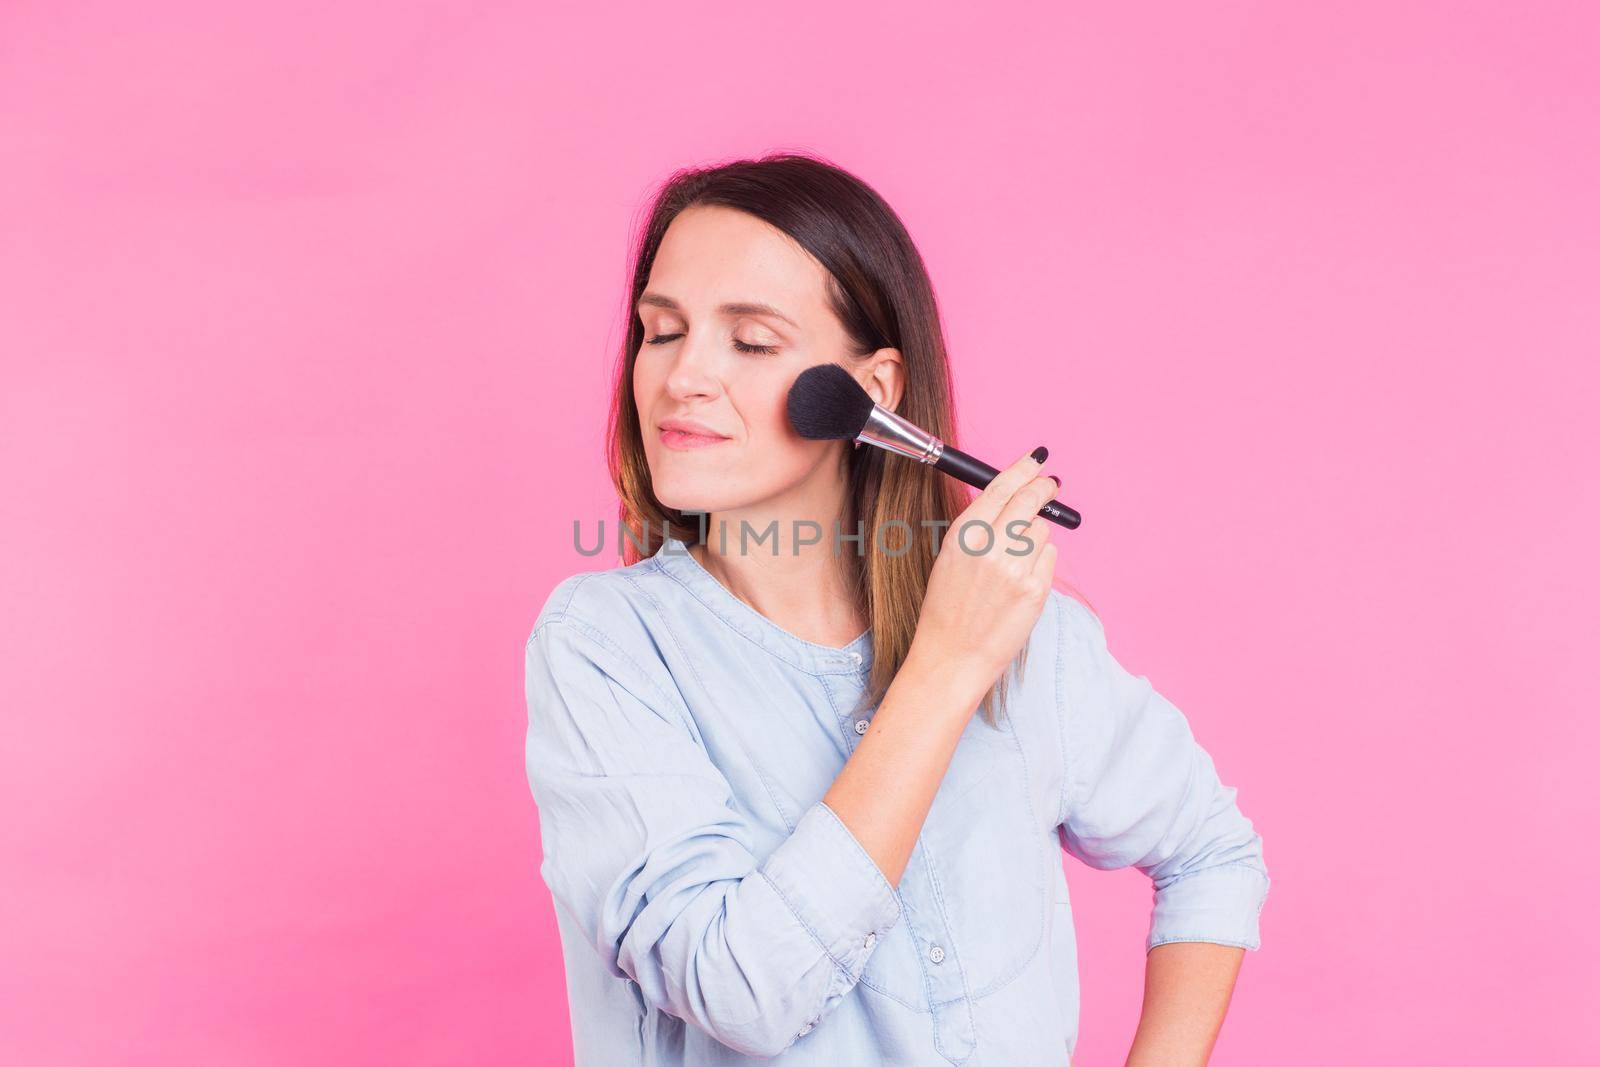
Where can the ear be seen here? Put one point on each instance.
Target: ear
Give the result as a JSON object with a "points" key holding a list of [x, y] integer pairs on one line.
{"points": [[884, 378]]}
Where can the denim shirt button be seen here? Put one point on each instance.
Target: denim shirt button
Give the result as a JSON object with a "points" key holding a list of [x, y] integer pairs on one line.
{"points": [[861, 726], [936, 954]]}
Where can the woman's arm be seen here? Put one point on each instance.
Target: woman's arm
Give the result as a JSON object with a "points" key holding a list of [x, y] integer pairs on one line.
{"points": [[1187, 986], [976, 616], [888, 784], [1140, 791]]}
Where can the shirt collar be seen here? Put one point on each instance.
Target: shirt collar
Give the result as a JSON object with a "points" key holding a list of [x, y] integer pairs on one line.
{"points": [[673, 558]]}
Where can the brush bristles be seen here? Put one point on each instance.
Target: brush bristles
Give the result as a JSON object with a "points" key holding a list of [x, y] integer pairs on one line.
{"points": [[827, 404]]}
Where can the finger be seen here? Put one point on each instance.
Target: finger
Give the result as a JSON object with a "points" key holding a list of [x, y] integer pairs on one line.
{"points": [[1044, 568], [989, 502], [1039, 534], [1022, 540], [1027, 500]]}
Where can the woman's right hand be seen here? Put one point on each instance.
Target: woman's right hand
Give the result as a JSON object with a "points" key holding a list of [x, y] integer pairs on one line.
{"points": [[982, 602]]}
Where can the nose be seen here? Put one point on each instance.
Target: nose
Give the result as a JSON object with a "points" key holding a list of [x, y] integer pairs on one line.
{"points": [[693, 371]]}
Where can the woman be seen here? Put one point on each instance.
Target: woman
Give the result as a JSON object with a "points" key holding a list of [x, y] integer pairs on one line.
{"points": [[803, 772]]}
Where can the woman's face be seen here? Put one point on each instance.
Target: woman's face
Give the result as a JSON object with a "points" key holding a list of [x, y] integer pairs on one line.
{"points": [[713, 358]]}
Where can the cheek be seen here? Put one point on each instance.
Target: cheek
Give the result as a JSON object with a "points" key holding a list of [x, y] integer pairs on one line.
{"points": [[645, 388], [763, 407], [777, 455]]}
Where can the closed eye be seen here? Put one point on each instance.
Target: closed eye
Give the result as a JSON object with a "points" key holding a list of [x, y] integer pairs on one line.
{"points": [[740, 346]]}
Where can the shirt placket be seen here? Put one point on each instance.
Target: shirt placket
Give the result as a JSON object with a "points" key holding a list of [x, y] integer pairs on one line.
{"points": [[955, 1031]]}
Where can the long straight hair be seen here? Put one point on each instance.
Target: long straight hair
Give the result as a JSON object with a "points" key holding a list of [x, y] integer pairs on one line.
{"points": [[880, 291]]}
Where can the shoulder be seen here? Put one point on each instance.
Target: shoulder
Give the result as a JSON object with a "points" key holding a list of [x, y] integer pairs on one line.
{"points": [[1082, 657], [1060, 650], [616, 602], [1076, 625], [608, 620]]}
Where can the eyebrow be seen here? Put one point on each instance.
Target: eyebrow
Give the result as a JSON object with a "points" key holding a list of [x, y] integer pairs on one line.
{"points": [[740, 307]]}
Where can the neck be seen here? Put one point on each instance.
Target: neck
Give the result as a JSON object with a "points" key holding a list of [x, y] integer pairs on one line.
{"points": [[807, 589]]}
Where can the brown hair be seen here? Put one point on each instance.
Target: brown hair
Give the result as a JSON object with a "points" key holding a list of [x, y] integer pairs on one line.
{"points": [[880, 291]]}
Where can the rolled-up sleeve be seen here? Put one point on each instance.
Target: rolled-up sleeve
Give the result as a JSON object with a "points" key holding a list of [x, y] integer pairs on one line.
{"points": [[646, 850], [1139, 791]]}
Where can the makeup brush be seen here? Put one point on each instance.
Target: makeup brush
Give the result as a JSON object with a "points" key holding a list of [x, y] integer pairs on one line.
{"points": [[827, 404]]}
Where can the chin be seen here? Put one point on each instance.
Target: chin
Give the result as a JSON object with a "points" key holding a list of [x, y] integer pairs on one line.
{"points": [[693, 494], [684, 494]]}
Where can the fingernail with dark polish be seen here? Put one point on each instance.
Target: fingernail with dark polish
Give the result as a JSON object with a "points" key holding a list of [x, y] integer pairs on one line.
{"points": [[1056, 480], [1039, 453]]}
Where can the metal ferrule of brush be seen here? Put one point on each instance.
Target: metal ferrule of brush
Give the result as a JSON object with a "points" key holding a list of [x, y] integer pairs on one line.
{"points": [[887, 430]]}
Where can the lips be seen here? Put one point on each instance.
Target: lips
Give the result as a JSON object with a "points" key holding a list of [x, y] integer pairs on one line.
{"points": [[686, 433]]}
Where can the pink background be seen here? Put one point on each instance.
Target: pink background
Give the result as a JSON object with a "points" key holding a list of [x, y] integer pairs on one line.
{"points": [[302, 309]]}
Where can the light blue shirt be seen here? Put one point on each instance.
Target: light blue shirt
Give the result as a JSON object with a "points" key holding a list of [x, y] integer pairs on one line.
{"points": [[712, 910]]}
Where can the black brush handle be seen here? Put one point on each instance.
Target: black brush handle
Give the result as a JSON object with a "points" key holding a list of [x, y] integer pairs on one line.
{"points": [[975, 472]]}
